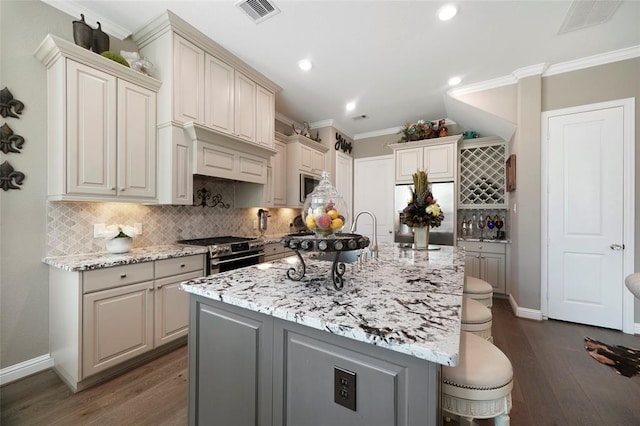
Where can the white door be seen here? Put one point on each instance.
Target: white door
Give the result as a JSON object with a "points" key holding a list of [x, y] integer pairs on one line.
{"points": [[373, 190], [585, 217], [344, 183]]}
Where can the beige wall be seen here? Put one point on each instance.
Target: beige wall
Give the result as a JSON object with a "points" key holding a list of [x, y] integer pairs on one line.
{"points": [[374, 146], [486, 101]]}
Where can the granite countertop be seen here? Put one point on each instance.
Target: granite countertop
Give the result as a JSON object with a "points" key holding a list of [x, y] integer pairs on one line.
{"points": [[407, 301], [89, 261]]}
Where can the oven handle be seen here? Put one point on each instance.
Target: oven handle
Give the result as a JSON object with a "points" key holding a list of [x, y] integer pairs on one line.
{"points": [[235, 259]]}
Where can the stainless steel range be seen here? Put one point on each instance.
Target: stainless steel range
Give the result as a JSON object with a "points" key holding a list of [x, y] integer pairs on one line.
{"points": [[228, 253]]}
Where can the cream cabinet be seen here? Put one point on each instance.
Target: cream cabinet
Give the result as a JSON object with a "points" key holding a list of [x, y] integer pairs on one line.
{"points": [[188, 81], [104, 320], [245, 107], [220, 95], [275, 251], [265, 117], [279, 175], [487, 261], [304, 156], [436, 156], [101, 127]]}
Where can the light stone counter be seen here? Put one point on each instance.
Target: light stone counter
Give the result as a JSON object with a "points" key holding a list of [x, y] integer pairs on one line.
{"points": [[89, 261], [407, 301]]}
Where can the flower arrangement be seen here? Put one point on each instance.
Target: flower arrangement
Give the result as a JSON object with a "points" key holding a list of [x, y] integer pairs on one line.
{"points": [[422, 209], [423, 130], [119, 231]]}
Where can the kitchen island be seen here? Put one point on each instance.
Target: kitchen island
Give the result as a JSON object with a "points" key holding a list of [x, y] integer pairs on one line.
{"points": [[268, 350]]}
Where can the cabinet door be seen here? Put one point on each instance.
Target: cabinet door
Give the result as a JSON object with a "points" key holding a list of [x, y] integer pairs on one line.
{"points": [[472, 265], [407, 162], [172, 308], [317, 162], [219, 96], [117, 326], [230, 366], [188, 81], [91, 131], [439, 161], [136, 141], [492, 268], [279, 177], [245, 107], [306, 158], [265, 117]]}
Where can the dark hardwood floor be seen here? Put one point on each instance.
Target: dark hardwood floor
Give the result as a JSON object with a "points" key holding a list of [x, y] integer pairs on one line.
{"points": [[556, 383]]}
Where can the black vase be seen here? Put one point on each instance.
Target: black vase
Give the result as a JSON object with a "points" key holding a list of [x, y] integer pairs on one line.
{"points": [[82, 33], [100, 40]]}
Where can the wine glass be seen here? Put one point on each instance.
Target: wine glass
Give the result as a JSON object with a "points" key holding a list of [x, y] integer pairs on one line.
{"points": [[499, 225], [490, 222], [481, 223]]}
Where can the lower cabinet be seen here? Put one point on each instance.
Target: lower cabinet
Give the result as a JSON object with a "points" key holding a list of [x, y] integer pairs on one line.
{"points": [[275, 251], [250, 368], [103, 318], [487, 261]]}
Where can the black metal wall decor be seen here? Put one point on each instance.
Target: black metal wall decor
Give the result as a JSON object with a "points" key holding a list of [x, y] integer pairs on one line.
{"points": [[7, 103], [8, 175], [8, 139], [205, 198], [342, 144]]}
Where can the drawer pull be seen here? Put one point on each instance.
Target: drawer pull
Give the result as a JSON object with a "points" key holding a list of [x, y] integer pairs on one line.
{"points": [[182, 265], [123, 275]]}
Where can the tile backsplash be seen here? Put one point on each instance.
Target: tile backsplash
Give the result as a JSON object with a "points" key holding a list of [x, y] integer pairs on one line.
{"points": [[70, 224]]}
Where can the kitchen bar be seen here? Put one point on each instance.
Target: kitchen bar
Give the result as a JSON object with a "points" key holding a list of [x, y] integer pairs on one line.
{"points": [[394, 323]]}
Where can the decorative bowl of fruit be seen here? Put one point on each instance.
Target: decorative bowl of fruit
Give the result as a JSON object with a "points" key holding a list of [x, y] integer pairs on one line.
{"points": [[324, 210]]}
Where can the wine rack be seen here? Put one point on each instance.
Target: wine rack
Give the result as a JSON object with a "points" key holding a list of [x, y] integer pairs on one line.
{"points": [[482, 173]]}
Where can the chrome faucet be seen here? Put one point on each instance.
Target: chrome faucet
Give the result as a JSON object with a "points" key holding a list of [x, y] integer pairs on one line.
{"points": [[374, 239]]}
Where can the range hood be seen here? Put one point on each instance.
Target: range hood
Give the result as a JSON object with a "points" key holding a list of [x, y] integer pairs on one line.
{"points": [[225, 156]]}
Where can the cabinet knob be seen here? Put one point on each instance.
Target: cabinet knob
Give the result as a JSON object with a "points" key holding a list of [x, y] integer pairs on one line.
{"points": [[479, 247], [151, 289], [121, 189], [113, 188], [182, 265], [123, 275]]}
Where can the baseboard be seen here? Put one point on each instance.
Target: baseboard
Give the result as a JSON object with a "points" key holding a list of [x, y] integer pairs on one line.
{"points": [[24, 369], [534, 314], [636, 328]]}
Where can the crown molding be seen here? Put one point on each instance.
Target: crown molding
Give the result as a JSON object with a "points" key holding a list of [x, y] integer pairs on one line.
{"points": [[483, 85], [593, 61], [322, 123], [376, 133], [74, 9], [284, 119], [530, 71]]}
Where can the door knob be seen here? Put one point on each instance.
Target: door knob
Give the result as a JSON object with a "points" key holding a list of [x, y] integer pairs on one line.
{"points": [[616, 247]]}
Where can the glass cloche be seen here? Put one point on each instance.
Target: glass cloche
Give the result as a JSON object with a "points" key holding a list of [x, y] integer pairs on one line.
{"points": [[324, 211]]}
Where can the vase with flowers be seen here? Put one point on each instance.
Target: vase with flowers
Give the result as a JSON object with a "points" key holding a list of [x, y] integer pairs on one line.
{"points": [[423, 130], [119, 238], [422, 211]]}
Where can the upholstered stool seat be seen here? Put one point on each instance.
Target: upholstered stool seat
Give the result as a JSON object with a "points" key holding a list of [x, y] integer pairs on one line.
{"points": [[479, 290], [476, 318], [480, 385], [633, 284]]}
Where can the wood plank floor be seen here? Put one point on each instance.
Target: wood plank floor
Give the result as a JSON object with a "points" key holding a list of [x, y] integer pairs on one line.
{"points": [[556, 383]]}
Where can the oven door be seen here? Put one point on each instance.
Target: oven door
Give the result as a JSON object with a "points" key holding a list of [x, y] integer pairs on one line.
{"points": [[234, 261], [307, 184]]}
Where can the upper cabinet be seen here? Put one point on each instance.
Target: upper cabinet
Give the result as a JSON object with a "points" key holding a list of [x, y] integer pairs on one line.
{"points": [[482, 173], [206, 88], [101, 126], [436, 156], [304, 157]]}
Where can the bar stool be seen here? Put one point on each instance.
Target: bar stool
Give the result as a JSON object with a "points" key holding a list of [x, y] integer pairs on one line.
{"points": [[476, 318], [479, 290], [479, 387], [633, 284]]}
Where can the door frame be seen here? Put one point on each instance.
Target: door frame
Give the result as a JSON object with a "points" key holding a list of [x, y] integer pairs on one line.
{"points": [[628, 197]]}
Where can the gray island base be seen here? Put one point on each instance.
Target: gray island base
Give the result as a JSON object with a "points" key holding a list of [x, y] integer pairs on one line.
{"points": [[267, 350]]}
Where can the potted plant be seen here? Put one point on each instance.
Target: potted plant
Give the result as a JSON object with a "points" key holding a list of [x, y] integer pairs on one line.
{"points": [[119, 238], [422, 211]]}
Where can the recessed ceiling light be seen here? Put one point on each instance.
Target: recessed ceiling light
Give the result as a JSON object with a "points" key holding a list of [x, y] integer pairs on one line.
{"points": [[454, 81], [447, 12], [304, 64], [351, 106]]}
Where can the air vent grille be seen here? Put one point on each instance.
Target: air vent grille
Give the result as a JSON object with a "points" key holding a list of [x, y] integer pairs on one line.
{"points": [[258, 10], [587, 13]]}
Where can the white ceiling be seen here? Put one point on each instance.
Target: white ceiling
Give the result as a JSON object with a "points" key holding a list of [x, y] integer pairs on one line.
{"points": [[393, 58]]}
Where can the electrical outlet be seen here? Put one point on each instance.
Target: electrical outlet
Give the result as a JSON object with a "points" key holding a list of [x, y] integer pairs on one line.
{"points": [[138, 227], [98, 230], [344, 383]]}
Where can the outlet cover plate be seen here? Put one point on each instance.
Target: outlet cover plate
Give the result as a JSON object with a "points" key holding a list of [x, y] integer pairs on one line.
{"points": [[344, 382], [98, 230]]}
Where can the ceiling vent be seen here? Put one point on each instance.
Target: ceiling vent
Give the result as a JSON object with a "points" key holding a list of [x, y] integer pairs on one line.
{"points": [[359, 117], [258, 10], [587, 13]]}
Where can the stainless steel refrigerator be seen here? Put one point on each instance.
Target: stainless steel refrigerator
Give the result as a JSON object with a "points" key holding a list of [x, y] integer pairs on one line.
{"points": [[444, 194]]}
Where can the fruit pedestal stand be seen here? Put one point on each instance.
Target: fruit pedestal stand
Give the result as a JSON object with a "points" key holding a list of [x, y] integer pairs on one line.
{"points": [[336, 243]]}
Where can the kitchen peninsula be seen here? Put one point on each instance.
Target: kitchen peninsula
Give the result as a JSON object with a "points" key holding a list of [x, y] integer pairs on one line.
{"points": [[268, 350]]}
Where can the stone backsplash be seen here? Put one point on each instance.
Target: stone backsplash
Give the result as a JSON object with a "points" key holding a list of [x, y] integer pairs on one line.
{"points": [[70, 224]]}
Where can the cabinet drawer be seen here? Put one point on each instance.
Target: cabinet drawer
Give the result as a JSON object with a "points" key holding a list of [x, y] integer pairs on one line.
{"points": [[275, 248], [179, 265], [484, 246], [101, 279]]}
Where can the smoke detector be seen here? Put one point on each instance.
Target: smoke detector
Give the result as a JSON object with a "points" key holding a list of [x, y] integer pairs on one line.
{"points": [[258, 10]]}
